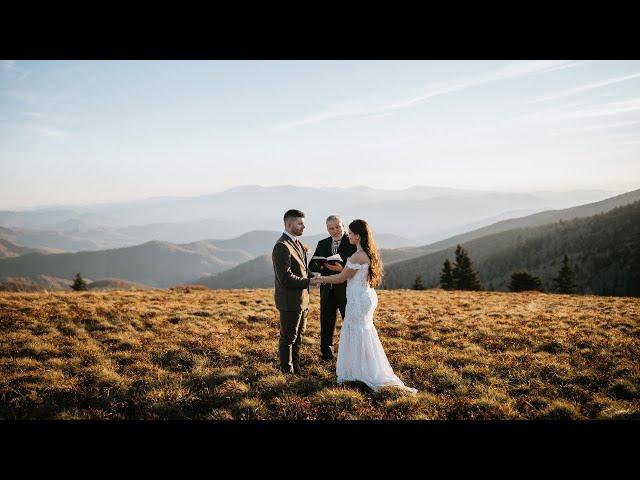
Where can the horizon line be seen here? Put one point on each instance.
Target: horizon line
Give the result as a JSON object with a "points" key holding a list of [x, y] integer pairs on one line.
{"points": [[494, 189]]}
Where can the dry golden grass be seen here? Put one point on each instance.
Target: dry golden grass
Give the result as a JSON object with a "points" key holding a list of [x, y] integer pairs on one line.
{"points": [[212, 354]]}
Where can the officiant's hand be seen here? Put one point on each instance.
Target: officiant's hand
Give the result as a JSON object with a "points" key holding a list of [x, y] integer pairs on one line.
{"points": [[334, 268]]}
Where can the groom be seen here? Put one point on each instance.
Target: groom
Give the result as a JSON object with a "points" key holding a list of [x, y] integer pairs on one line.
{"points": [[291, 290], [332, 297]]}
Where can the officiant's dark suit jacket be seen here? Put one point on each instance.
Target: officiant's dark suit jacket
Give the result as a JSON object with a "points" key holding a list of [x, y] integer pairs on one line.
{"points": [[345, 250], [291, 275]]}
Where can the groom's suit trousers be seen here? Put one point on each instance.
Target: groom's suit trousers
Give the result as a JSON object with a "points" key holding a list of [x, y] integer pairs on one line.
{"points": [[293, 324]]}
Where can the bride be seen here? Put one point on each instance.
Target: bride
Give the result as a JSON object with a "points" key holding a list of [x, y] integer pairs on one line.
{"points": [[360, 353]]}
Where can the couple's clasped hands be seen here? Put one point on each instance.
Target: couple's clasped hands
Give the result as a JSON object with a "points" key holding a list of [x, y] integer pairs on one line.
{"points": [[317, 279]]}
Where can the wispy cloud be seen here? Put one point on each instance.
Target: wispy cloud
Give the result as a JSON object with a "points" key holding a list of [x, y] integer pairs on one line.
{"points": [[12, 69], [608, 109], [35, 101], [7, 65], [38, 115], [47, 131], [606, 126], [604, 110], [514, 70], [585, 88]]}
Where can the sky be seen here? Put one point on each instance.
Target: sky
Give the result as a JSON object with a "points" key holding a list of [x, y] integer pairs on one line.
{"points": [[83, 132]]}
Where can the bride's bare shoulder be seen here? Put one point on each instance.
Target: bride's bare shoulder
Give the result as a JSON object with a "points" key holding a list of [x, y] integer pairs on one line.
{"points": [[360, 258]]}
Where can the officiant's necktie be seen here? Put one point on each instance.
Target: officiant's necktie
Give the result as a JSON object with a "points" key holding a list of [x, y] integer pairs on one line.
{"points": [[334, 249]]}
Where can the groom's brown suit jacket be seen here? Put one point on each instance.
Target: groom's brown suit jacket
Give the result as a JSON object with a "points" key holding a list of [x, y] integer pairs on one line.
{"points": [[291, 275]]}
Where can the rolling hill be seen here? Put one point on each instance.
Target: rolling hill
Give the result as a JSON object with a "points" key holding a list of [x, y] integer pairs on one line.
{"points": [[604, 250], [10, 249], [159, 264], [541, 218], [36, 283], [258, 273], [116, 284]]}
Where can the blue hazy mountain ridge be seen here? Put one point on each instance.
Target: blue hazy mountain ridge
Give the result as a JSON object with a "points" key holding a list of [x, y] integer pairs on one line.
{"points": [[10, 249], [420, 214], [603, 248], [541, 218], [67, 241]]}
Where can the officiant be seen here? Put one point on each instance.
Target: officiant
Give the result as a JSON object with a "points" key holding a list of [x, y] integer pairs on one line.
{"points": [[333, 297]]}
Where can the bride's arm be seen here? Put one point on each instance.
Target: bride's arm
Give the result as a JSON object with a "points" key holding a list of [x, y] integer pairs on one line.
{"points": [[343, 276], [346, 273]]}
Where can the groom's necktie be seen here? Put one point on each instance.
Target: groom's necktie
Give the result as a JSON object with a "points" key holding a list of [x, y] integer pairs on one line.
{"points": [[300, 249]]}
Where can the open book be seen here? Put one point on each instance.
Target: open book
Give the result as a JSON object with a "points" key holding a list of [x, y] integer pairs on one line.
{"points": [[322, 261]]}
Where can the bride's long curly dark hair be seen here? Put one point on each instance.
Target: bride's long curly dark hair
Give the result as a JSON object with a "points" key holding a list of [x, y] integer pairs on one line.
{"points": [[368, 244]]}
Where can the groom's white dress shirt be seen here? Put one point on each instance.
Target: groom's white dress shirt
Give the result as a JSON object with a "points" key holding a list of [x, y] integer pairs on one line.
{"points": [[293, 237], [296, 242]]}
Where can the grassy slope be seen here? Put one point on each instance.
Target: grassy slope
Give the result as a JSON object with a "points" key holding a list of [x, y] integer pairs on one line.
{"points": [[212, 355]]}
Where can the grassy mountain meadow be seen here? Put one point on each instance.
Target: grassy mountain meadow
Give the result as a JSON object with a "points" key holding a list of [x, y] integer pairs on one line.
{"points": [[194, 353]]}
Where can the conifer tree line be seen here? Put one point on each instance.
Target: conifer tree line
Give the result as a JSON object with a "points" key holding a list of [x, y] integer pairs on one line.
{"points": [[461, 275], [564, 282]]}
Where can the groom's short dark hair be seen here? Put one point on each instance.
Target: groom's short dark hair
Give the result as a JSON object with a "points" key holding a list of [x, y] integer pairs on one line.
{"points": [[291, 214]]}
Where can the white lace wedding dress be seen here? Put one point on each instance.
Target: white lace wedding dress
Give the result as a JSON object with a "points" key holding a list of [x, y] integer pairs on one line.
{"points": [[360, 353]]}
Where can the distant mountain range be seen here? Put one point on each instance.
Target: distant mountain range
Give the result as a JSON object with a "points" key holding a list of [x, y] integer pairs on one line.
{"points": [[244, 261], [418, 214]]}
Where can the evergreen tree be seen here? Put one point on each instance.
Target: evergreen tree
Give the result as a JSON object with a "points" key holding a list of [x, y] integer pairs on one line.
{"points": [[565, 282], [464, 276], [521, 281], [446, 278], [417, 284], [78, 283]]}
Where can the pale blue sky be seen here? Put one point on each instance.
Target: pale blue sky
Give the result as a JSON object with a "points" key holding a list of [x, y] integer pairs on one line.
{"points": [[100, 131]]}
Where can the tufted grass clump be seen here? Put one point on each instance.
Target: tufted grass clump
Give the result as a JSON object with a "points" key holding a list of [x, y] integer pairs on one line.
{"points": [[561, 410]]}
